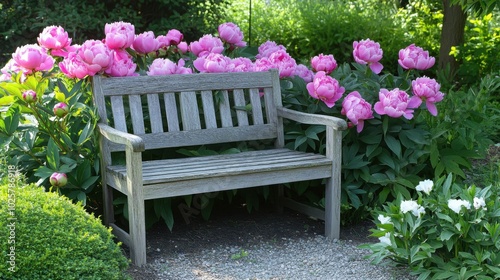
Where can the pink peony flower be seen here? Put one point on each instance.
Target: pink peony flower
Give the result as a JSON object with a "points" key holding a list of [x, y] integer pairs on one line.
{"points": [[426, 89], [213, 63], [54, 38], [119, 35], [183, 47], [65, 51], [29, 96], [395, 103], [305, 73], [96, 55], [9, 68], [356, 109], [324, 63], [31, 58], [231, 33], [122, 66], [267, 48], [207, 44], [164, 66], [145, 43], [413, 57], [242, 64], [283, 62], [174, 37], [325, 88], [368, 52], [58, 179], [73, 66], [61, 109]]}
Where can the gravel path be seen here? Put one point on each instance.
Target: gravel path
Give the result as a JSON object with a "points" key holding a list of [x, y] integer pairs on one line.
{"points": [[264, 246], [310, 258]]}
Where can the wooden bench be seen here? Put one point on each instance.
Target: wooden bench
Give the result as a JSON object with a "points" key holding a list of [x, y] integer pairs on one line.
{"points": [[201, 109]]}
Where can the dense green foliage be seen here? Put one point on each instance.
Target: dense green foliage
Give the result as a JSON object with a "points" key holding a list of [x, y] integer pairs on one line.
{"points": [[21, 21], [48, 237], [437, 237], [40, 143]]}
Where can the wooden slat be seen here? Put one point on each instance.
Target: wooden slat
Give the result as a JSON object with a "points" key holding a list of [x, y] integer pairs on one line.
{"points": [[155, 113], [257, 116], [204, 137], [189, 111], [183, 83], [208, 109], [136, 114], [118, 113], [171, 112], [225, 110], [239, 101]]}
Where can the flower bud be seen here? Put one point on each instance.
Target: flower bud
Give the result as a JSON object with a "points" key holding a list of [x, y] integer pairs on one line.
{"points": [[29, 96], [58, 179], [61, 109]]}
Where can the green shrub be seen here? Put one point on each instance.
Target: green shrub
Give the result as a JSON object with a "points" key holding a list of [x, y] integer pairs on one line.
{"points": [[480, 54], [48, 237], [448, 232], [22, 20]]}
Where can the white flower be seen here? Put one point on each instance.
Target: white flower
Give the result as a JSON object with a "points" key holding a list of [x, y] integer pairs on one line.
{"points": [[479, 202], [425, 186], [456, 204], [384, 220], [410, 205], [386, 239]]}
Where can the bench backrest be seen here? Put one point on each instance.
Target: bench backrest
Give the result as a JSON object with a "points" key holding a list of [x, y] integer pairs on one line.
{"points": [[192, 109]]}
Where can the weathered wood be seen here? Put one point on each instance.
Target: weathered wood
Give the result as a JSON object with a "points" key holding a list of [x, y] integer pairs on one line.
{"points": [[224, 117]]}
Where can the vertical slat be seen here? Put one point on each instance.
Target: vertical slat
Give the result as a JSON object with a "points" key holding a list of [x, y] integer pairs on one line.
{"points": [[257, 116], [189, 111], [136, 113], [208, 109], [99, 100], [118, 113], [272, 98], [155, 113], [241, 113], [225, 110], [171, 112], [332, 192]]}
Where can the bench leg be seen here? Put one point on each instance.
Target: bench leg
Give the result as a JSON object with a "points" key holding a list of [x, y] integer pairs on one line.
{"points": [[137, 230], [332, 209], [280, 196]]}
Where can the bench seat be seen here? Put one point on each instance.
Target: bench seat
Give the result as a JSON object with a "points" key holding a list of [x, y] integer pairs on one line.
{"points": [[175, 177]]}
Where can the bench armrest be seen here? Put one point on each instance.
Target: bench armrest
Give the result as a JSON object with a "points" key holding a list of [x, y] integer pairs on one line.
{"points": [[306, 118], [132, 141]]}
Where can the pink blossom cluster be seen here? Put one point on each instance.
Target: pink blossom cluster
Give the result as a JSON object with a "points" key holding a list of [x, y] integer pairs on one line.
{"points": [[121, 49]]}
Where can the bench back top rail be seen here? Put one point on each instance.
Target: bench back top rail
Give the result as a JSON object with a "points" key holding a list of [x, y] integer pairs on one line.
{"points": [[192, 109]]}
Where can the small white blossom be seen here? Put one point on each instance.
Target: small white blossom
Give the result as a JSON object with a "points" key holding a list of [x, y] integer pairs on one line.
{"points": [[386, 239], [456, 204], [479, 202], [411, 205], [384, 220], [425, 186]]}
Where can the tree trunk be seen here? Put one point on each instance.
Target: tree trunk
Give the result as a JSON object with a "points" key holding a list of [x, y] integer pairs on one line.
{"points": [[452, 34]]}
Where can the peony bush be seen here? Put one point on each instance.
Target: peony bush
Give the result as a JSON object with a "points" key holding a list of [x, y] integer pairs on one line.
{"points": [[48, 117], [448, 232]]}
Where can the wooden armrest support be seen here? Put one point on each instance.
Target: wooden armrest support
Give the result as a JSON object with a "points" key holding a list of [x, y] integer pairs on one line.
{"points": [[132, 141], [334, 122]]}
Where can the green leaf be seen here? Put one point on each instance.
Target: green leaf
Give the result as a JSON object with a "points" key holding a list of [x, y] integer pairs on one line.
{"points": [[43, 172], [53, 155], [446, 235], [84, 136], [393, 144]]}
